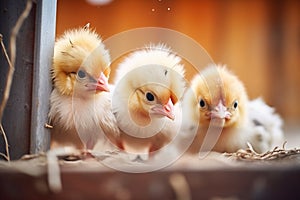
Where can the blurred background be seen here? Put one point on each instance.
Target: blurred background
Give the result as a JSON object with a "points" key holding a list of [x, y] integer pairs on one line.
{"points": [[258, 39]]}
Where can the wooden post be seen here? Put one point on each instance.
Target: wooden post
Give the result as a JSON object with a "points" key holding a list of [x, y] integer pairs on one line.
{"points": [[41, 87]]}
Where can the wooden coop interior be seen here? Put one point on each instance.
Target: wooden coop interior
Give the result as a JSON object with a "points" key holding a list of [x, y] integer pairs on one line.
{"points": [[258, 40]]}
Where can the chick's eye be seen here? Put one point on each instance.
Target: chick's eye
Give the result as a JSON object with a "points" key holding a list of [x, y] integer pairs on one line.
{"points": [[81, 74], [149, 96], [202, 103], [235, 104]]}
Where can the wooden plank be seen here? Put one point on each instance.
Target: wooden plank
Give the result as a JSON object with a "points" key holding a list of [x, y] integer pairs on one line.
{"points": [[243, 183], [41, 88]]}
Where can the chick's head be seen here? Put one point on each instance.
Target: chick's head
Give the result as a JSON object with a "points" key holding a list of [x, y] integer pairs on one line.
{"points": [[80, 62], [151, 101], [221, 95], [149, 82]]}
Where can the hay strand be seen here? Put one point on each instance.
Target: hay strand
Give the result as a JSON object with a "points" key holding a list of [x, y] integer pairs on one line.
{"points": [[276, 154]]}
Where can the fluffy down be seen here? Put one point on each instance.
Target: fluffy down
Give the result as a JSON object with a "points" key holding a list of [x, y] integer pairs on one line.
{"points": [[267, 126]]}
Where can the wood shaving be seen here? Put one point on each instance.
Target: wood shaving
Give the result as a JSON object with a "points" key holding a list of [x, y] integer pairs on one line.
{"points": [[48, 126], [53, 168]]}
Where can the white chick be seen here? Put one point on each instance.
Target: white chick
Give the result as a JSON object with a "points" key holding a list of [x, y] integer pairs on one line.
{"points": [[149, 82]]}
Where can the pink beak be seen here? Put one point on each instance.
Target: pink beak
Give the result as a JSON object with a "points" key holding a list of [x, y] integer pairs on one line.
{"points": [[220, 111], [166, 110], [102, 83]]}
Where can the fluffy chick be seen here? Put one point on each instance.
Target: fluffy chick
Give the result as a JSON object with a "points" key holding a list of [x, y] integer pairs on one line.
{"points": [[80, 105], [217, 102], [148, 84]]}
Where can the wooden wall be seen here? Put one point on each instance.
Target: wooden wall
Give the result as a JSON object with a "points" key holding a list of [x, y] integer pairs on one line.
{"points": [[259, 40]]}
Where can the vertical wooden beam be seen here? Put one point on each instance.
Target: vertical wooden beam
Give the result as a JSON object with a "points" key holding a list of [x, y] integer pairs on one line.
{"points": [[41, 87]]}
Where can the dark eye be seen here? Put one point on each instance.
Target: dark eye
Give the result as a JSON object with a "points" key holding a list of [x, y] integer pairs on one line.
{"points": [[235, 104], [149, 96], [81, 74], [202, 103]]}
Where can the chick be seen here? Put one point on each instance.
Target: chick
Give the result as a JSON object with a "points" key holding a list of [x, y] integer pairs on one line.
{"points": [[148, 84], [80, 104], [217, 101]]}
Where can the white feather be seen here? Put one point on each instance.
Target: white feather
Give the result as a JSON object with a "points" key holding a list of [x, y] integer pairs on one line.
{"points": [[266, 126], [88, 118]]}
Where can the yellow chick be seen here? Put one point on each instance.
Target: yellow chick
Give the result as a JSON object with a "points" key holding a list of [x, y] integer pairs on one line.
{"points": [[148, 84], [217, 102], [217, 108], [80, 104]]}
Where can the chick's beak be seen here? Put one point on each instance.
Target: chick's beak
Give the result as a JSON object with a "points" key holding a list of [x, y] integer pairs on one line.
{"points": [[164, 110], [102, 83], [221, 112]]}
